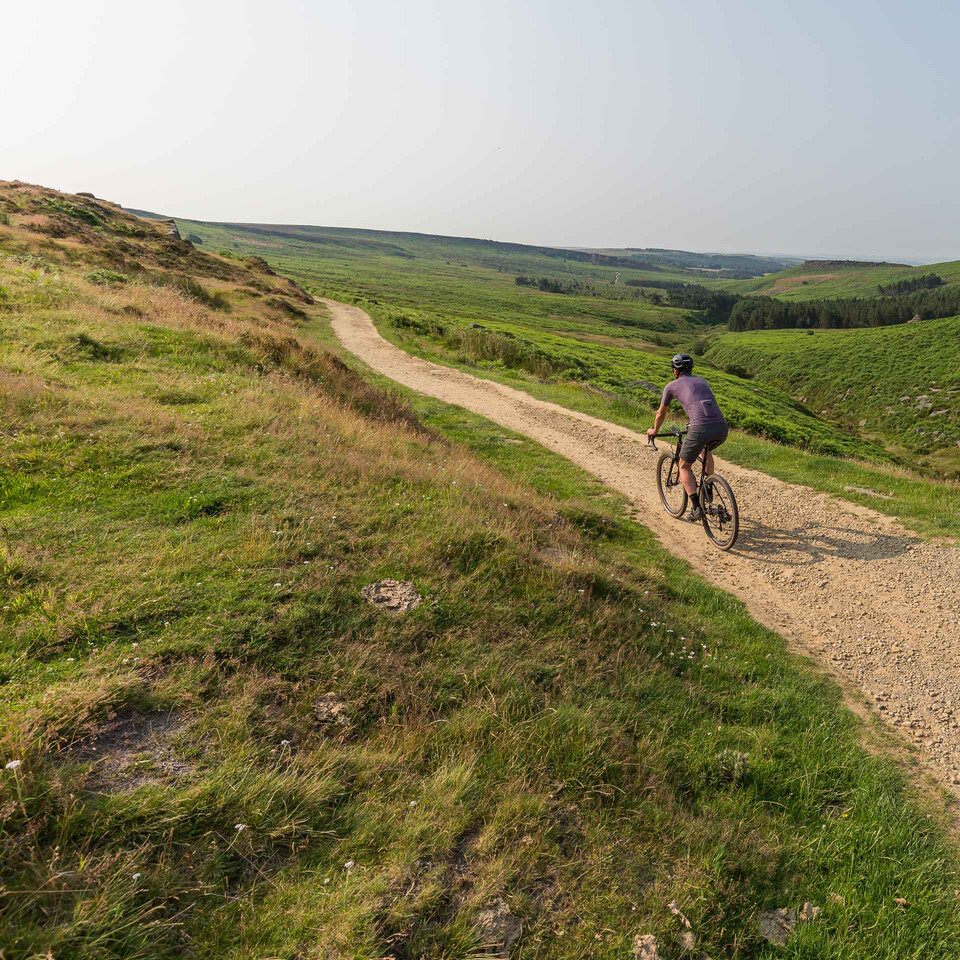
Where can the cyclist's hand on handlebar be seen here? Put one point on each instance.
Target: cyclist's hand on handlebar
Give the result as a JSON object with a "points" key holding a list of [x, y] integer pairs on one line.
{"points": [[651, 433]]}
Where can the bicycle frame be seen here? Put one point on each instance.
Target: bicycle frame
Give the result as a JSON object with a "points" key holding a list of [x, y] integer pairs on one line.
{"points": [[679, 435]]}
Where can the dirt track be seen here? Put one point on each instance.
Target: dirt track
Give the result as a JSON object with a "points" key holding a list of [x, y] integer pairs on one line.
{"points": [[854, 589]]}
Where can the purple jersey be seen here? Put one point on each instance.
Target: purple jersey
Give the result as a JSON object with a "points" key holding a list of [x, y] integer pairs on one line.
{"points": [[695, 397]]}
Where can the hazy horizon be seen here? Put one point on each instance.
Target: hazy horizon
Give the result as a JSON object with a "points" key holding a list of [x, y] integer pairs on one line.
{"points": [[813, 131]]}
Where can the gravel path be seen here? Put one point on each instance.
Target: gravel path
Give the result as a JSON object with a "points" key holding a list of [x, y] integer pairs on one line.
{"points": [[854, 589]]}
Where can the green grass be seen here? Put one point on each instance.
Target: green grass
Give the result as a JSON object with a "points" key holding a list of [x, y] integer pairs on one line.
{"points": [[558, 347], [904, 381], [189, 510], [609, 343]]}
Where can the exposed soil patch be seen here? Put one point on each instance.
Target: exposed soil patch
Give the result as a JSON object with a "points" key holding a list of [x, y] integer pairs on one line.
{"points": [[133, 751], [790, 283], [854, 589], [393, 596], [330, 711]]}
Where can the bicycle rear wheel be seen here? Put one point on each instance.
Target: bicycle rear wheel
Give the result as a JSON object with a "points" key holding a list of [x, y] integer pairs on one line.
{"points": [[721, 517], [672, 495]]}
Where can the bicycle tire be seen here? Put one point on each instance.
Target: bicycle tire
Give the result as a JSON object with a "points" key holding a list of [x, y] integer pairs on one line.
{"points": [[724, 529], [668, 479]]}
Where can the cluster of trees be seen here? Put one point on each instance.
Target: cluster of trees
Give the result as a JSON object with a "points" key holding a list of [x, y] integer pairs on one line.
{"points": [[580, 288], [766, 313], [715, 304], [553, 285], [927, 282]]}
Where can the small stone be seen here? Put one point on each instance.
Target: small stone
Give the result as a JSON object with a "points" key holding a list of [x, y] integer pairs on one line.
{"points": [[393, 596], [645, 947], [499, 928], [777, 925], [330, 709], [809, 913]]}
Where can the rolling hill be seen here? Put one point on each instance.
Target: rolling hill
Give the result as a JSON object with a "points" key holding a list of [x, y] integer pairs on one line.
{"points": [[463, 304], [825, 279], [898, 384]]}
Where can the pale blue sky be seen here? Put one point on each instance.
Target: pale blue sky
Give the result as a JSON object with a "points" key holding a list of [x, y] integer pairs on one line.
{"points": [[813, 128]]}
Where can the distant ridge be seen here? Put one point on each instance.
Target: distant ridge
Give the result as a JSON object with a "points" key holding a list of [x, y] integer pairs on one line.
{"points": [[853, 264]]}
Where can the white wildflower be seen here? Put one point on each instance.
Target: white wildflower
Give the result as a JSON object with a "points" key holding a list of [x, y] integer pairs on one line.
{"points": [[13, 765], [349, 864], [413, 803], [240, 827], [136, 876]]}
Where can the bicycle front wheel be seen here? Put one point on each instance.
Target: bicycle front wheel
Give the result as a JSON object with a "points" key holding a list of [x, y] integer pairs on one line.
{"points": [[721, 517], [672, 495]]}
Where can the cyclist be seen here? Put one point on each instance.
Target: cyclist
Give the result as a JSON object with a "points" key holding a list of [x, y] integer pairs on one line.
{"points": [[707, 427]]}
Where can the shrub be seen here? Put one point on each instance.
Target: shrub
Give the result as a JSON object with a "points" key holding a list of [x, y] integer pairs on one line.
{"points": [[215, 300], [334, 378], [482, 344], [425, 328], [104, 278], [287, 307], [73, 211]]}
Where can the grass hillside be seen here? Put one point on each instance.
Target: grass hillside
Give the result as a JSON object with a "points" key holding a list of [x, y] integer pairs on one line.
{"points": [[831, 279], [467, 278], [213, 746], [470, 311], [600, 354], [899, 385]]}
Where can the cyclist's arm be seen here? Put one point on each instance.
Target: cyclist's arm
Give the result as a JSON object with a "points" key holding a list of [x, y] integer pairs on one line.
{"points": [[658, 420]]}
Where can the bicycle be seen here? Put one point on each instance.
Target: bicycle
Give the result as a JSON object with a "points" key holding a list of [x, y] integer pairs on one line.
{"points": [[721, 518]]}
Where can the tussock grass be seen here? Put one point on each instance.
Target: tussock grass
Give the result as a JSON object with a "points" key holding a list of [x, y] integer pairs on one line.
{"points": [[552, 727]]}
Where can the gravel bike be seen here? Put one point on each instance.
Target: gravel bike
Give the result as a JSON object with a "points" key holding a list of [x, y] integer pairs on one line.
{"points": [[721, 518]]}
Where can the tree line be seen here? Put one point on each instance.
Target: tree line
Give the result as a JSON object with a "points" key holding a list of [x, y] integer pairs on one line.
{"points": [[766, 313], [927, 282], [715, 305], [553, 285]]}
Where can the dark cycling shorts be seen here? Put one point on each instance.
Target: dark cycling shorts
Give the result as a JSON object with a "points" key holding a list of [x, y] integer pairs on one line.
{"points": [[703, 436]]}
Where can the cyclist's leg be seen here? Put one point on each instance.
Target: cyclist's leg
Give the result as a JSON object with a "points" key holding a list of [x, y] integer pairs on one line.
{"points": [[708, 464], [690, 450], [687, 478]]}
